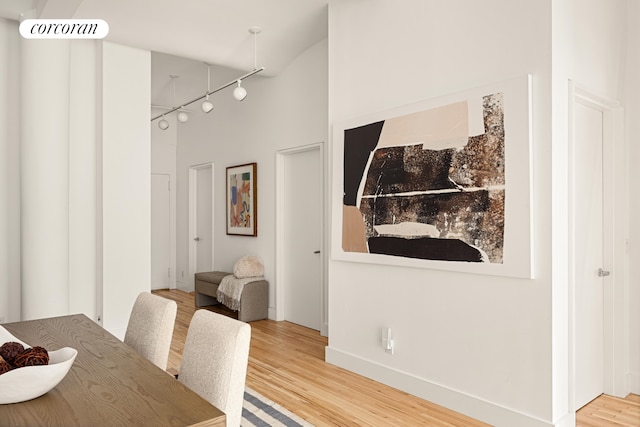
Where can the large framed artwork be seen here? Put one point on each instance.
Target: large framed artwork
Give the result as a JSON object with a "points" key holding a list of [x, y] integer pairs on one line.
{"points": [[242, 200], [443, 184]]}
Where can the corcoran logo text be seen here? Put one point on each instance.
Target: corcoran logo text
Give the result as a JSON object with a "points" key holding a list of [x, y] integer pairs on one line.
{"points": [[64, 29]]}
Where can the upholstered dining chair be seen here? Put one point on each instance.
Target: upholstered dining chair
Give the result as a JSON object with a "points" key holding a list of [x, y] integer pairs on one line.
{"points": [[150, 327], [214, 361]]}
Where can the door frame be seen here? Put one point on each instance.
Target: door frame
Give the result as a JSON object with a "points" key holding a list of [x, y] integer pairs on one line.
{"points": [[278, 312], [193, 213], [615, 240]]}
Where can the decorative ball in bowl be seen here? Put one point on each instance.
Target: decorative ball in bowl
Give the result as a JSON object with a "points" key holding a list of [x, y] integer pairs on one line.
{"points": [[31, 380]]}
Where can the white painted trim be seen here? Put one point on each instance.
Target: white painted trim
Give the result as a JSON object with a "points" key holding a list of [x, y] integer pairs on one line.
{"points": [[458, 401], [193, 173], [174, 223], [277, 312], [193, 203], [616, 315], [568, 420]]}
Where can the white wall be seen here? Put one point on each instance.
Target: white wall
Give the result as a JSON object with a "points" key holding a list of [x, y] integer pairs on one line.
{"points": [[164, 145], [109, 177], [10, 107], [125, 158], [477, 344], [495, 348], [597, 47], [597, 33], [280, 112], [44, 177], [589, 42], [631, 97], [83, 178]]}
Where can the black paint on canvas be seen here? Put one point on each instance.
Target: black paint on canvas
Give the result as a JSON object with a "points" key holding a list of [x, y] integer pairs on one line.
{"points": [[425, 248], [358, 144]]}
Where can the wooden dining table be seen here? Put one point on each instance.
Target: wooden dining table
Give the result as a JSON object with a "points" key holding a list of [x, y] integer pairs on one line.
{"points": [[109, 384]]}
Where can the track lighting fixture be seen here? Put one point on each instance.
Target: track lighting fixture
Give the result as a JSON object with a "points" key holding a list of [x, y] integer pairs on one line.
{"points": [[163, 124], [207, 105], [183, 117], [239, 92]]}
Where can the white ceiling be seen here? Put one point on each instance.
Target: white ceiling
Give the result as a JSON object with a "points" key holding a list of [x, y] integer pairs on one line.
{"points": [[211, 31]]}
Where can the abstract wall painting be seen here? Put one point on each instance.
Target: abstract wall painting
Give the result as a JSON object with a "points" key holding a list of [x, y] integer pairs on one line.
{"points": [[242, 202], [443, 184]]}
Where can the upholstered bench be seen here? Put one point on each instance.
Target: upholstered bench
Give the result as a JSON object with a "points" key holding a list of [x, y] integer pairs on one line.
{"points": [[254, 301]]}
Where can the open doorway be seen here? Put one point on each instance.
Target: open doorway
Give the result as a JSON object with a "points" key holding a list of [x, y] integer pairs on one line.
{"points": [[201, 230]]}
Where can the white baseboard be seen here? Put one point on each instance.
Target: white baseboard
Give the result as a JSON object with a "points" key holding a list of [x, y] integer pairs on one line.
{"points": [[471, 406], [569, 420]]}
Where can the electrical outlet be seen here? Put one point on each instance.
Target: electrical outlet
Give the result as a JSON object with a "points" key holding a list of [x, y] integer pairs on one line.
{"points": [[387, 340]]}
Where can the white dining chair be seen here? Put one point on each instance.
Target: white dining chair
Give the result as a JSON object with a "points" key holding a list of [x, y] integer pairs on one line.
{"points": [[214, 361], [150, 327]]}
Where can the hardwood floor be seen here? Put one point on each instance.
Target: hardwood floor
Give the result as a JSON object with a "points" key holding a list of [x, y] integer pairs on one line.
{"points": [[286, 364], [610, 411]]}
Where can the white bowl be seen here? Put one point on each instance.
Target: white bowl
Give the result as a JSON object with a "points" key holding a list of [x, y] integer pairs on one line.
{"points": [[30, 382]]}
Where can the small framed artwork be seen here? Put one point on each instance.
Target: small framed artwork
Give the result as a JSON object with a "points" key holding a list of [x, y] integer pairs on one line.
{"points": [[242, 200]]}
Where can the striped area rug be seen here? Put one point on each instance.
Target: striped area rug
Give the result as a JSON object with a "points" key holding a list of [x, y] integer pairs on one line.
{"points": [[258, 411]]}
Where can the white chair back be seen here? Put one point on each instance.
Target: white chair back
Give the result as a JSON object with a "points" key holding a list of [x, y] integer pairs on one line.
{"points": [[150, 327], [214, 362]]}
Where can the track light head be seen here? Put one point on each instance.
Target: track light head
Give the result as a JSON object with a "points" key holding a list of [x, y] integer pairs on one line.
{"points": [[183, 117], [163, 124], [239, 92], [207, 106]]}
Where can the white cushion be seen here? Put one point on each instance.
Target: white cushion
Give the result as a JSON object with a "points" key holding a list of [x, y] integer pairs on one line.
{"points": [[248, 266]]}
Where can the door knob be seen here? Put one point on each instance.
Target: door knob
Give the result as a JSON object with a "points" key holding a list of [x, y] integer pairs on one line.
{"points": [[603, 273], [197, 239]]}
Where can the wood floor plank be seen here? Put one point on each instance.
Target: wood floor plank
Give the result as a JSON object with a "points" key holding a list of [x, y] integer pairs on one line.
{"points": [[286, 364], [610, 411]]}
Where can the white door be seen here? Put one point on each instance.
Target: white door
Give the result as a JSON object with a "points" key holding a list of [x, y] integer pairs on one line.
{"points": [[160, 232], [588, 199], [302, 237], [204, 223]]}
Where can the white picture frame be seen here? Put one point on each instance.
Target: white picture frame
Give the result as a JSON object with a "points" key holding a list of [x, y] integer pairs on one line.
{"points": [[515, 257]]}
